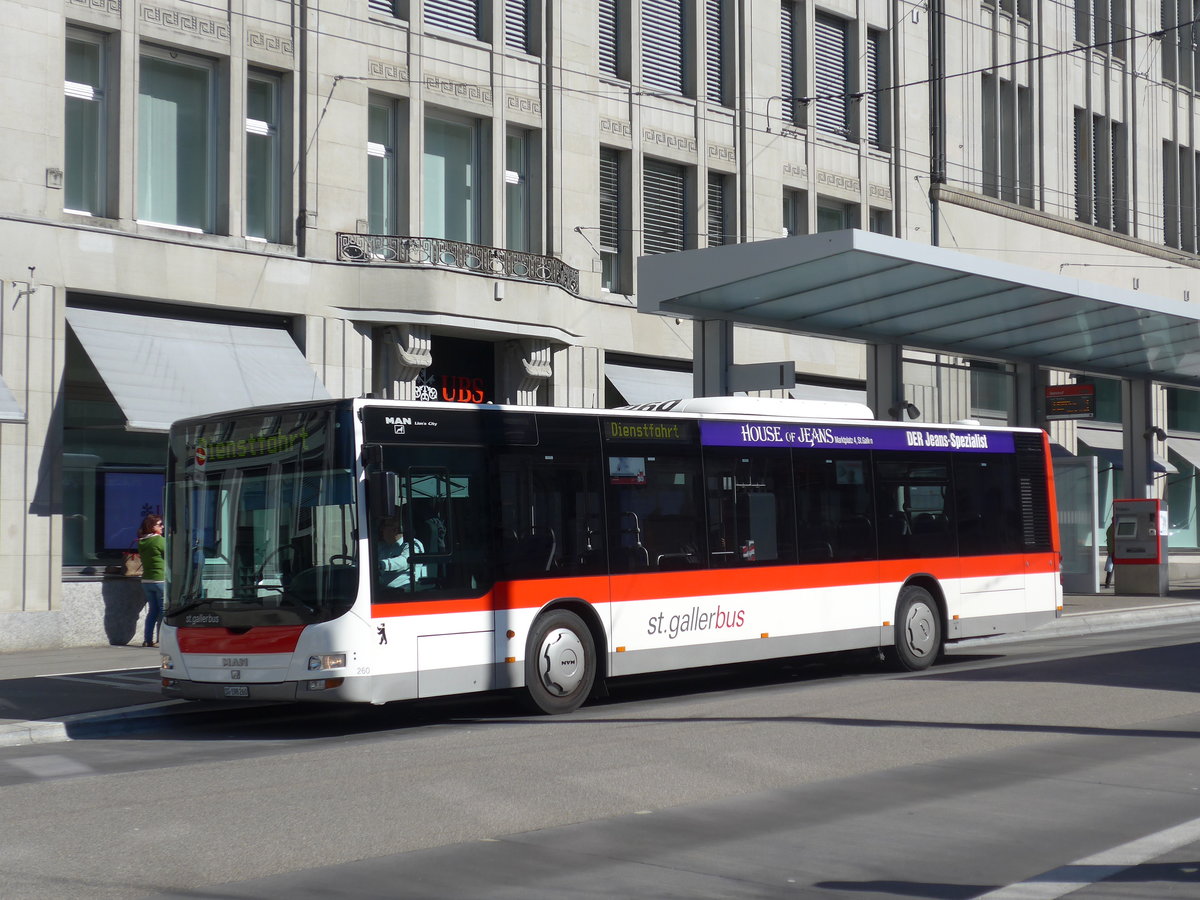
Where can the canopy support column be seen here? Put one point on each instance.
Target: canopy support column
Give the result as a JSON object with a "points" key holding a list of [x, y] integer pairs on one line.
{"points": [[885, 383], [1140, 438], [712, 351]]}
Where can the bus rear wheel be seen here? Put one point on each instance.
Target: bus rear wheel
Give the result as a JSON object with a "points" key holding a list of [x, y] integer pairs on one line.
{"points": [[918, 630], [560, 665]]}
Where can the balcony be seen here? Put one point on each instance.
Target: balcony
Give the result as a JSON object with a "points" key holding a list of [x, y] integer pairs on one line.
{"points": [[493, 262]]}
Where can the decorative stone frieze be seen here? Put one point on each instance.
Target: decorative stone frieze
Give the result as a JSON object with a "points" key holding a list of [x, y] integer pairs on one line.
{"points": [[667, 141], [272, 43], [185, 23], [472, 93]]}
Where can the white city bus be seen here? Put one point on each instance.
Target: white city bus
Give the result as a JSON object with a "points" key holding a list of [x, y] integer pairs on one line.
{"points": [[548, 550]]}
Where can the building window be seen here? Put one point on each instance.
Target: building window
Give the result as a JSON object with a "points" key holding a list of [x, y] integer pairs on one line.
{"points": [[664, 207], [264, 167], [877, 94], [834, 215], [613, 232], [1101, 182], [663, 56], [382, 187], [795, 213], [1006, 7], [719, 231], [790, 43], [1180, 60], [610, 26], [716, 52], [518, 27], [1007, 140], [453, 160], [85, 162], [177, 138], [460, 16], [1179, 196], [518, 205], [1101, 24], [397, 9], [832, 71], [880, 220]]}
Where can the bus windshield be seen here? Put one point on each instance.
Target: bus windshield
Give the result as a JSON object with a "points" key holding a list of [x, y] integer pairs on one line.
{"points": [[261, 520]]}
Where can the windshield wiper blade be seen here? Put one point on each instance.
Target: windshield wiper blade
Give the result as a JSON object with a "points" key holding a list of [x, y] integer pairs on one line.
{"points": [[192, 601]]}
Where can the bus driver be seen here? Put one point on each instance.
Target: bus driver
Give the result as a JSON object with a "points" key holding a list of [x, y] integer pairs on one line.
{"points": [[394, 551]]}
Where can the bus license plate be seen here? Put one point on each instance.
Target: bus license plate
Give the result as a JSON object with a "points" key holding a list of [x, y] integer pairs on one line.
{"points": [[237, 690]]}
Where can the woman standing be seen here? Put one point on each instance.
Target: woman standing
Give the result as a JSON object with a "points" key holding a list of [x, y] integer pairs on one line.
{"points": [[152, 548]]}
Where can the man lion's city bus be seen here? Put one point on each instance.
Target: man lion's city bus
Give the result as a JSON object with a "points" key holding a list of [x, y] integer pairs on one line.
{"points": [[360, 550]]}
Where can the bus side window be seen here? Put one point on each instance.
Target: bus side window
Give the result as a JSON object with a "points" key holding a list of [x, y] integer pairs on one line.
{"points": [[749, 501], [550, 513], [834, 506]]}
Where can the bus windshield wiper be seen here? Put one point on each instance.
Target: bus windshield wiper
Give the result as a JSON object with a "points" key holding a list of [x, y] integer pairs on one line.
{"points": [[191, 601]]}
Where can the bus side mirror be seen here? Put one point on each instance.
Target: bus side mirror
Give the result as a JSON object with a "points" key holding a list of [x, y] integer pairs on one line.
{"points": [[383, 487]]}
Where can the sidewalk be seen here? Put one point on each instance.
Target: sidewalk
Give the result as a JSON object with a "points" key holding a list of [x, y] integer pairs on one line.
{"points": [[59, 695]]}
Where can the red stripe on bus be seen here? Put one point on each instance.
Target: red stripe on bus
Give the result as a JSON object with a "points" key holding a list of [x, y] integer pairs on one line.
{"points": [[534, 593], [263, 639]]}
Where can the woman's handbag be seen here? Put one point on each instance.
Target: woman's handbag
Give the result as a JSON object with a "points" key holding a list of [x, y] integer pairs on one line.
{"points": [[130, 565]]}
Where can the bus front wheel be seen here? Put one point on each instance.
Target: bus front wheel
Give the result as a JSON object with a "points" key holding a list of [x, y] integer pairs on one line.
{"points": [[918, 630], [560, 666]]}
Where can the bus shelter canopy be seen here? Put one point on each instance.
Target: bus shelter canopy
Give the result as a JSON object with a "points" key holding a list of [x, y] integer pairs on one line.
{"points": [[871, 288]]}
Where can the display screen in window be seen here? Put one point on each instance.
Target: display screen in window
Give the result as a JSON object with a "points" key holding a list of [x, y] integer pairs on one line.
{"points": [[126, 498]]}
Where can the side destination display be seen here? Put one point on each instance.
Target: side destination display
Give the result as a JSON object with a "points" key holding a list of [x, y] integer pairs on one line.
{"points": [[852, 437]]}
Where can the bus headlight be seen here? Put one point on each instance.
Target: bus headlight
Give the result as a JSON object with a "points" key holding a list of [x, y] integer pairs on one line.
{"points": [[327, 661]]}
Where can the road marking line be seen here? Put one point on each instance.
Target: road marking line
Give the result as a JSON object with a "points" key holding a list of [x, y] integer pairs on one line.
{"points": [[1091, 869]]}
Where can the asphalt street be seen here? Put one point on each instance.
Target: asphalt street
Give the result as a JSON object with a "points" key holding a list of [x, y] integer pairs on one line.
{"points": [[48, 696]]}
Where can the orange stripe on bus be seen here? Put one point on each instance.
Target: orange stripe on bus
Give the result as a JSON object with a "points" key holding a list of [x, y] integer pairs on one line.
{"points": [[628, 588]]}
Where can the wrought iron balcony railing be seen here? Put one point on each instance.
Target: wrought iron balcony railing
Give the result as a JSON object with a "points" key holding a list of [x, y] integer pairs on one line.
{"points": [[424, 251]]}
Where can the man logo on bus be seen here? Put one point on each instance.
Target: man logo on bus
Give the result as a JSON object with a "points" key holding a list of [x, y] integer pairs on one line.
{"points": [[398, 423]]}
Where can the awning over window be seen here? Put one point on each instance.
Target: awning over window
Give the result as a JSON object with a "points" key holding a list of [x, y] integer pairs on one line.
{"points": [[1108, 445], [1188, 448], [160, 369], [10, 410], [645, 385]]}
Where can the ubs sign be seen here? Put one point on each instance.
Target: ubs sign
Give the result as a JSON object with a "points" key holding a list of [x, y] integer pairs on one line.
{"points": [[463, 371]]}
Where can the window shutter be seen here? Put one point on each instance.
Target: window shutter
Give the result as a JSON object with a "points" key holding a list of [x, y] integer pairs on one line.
{"points": [[608, 31], [516, 25], [383, 6], [832, 75], [787, 59], [663, 216], [610, 205], [714, 36], [716, 210], [459, 16], [662, 44], [874, 99]]}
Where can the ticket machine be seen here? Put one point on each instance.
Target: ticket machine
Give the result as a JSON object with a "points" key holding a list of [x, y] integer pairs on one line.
{"points": [[1140, 547]]}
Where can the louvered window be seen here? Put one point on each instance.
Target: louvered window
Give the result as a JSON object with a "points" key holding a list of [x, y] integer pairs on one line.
{"points": [[610, 218], [876, 98], [832, 44], [516, 26], [608, 34], [789, 58], [1007, 153], [1102, 22], [1180, 59], [718, 227], [459, 16], [662, 45], [664, 214], [714, 39], [387, 7], [1100, 179]]}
